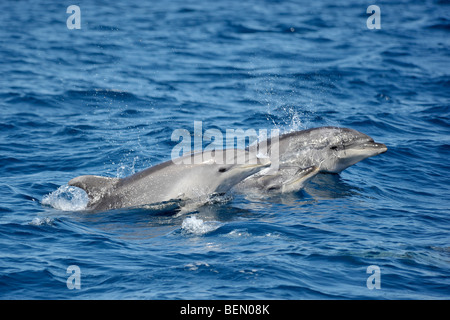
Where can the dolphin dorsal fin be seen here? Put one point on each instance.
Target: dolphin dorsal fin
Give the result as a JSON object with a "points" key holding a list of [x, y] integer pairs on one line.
{"points": [[94, 186]]}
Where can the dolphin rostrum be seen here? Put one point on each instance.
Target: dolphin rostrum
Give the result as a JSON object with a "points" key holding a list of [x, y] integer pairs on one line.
{"points": [[167, 181], [286, 179], [330, 149]]}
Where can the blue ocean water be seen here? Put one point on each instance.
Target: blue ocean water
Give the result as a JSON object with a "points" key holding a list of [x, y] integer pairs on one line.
{"points": [[105, 99]]}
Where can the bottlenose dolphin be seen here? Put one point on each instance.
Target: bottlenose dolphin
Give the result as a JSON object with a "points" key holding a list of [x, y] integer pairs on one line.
{"points": [[330, 149], [286, 179], [167, 181]]}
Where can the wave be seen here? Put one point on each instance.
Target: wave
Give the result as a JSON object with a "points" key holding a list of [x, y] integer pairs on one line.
{"points": [[101, 93]]}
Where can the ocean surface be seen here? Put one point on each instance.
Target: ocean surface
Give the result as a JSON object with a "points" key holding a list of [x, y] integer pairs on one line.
{"points": [[106, 98]]}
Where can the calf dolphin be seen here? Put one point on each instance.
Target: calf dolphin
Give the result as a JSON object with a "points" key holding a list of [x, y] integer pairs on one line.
{"points": [[286, 179], [167, 181], [330, 149]]}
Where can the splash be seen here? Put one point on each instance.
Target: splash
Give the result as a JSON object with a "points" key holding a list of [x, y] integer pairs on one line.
{"points": [[67, 198], [193, 225], [296, 120], [124, 169], [41, 221]]}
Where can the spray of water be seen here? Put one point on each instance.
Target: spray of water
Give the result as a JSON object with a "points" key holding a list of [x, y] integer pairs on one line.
{"points": [[196, 226], [67, 198]]}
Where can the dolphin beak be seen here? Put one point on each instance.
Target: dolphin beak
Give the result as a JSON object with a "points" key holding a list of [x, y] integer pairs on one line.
{"points": [[309, 170], [305, 174], [379, 148], [256, 165]]}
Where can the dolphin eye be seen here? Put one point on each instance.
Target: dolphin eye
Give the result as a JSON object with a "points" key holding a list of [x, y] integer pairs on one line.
{"points": [[334, 147], [223, 169]]}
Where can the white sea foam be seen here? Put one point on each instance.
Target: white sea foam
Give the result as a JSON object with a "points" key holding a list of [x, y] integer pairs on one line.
{"points": [[67, 198], [196, 226], [239, 233], [195, 265], [41, 221]]}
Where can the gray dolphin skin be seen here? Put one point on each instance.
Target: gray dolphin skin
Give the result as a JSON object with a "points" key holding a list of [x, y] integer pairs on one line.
{"points": [[330, 149], [286, 179], [301, 155], [167, 181]]}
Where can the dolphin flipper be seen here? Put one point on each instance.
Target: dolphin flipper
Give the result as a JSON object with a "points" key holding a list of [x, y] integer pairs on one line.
{"points": [[95, 186]]}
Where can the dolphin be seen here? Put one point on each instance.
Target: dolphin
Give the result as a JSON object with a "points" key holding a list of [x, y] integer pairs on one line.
{"points": [[330, 149], [170, 180], [286, 179]]}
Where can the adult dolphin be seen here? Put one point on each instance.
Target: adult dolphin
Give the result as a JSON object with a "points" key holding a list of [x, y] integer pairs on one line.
{"points": [[331, 149], [183, 179]]}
